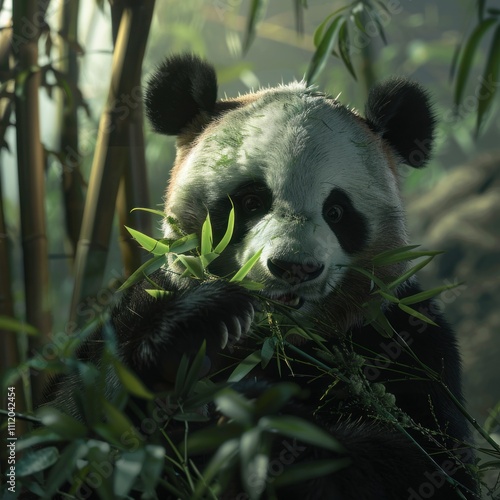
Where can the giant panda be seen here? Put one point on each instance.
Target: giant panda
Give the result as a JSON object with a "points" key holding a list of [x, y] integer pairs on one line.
{"points": [[315, 188]]}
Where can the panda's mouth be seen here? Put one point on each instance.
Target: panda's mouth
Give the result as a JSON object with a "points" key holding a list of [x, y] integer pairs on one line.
{"points": [[290, 300]]}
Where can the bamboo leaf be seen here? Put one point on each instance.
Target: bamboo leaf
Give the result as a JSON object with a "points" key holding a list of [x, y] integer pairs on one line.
{"points": [[388, 297], [234, 406], [468, 53], [180, 377], [381, 31], [382, 325], [427, 294], [159, 294], [404, 256], [224, 457], [224, 242], [208, 258], [384, 7], [207, 440], [370, 276], [490, 78], [193, 265], [300, 429], [203, 393], [206, 237], [323, 51], [130, 381], [126, 470], [65, 425], [65, 464], [37, 460], [493, 418], [306, 471], [150, 244], [274, 398], [245, 269], [344, 48], [401, 255], [245, 366], [408, 274], [375, 317], [150, 210], [267, 351], [117, 421], [318, 34], [454, 60], [147, 268], [251, 285], [416, 314], [395, 251], [21, 79], [254, 457], [358, 21], [10, 324], [184, 244], [193, 374], [257, 12], [64, 85]]}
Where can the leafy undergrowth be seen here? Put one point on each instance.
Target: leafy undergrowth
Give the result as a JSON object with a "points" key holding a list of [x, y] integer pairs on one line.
{"points": [[201, 438]]}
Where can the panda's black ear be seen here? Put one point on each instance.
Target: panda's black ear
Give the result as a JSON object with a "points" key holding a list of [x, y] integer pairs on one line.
{"points": [[180, 89], [400, 111]]}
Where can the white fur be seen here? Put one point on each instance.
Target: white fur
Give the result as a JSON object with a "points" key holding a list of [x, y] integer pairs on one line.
{"points": [[301, 146]]}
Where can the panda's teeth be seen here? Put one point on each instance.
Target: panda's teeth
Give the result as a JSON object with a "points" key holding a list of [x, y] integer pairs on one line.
{"points": [[289, 300]]}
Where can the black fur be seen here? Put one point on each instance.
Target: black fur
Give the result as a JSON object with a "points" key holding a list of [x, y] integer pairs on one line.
{"points": [[400, 111], [386, 465], [350, 241], [180, 89]]}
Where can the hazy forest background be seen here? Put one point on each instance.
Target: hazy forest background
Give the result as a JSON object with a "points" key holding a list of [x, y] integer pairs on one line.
{"points": [[80, 64]]}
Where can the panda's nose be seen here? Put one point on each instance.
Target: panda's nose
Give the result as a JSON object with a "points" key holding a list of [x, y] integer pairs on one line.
{"points": [[294, 272]]}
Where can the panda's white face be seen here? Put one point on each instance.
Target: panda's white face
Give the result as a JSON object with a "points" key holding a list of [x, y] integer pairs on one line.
{"points": [[312, 187]]}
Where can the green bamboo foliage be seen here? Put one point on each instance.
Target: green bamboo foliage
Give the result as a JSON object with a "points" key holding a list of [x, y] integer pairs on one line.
{"points": [[112, 150], [71, 179], [31, 170]]}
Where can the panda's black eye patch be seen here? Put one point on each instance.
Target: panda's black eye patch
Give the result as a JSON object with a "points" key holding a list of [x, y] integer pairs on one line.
{"points": [[348, 224]]}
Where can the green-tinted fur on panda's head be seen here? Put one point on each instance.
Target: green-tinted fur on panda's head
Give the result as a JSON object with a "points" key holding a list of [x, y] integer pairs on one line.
{"points": [[184, 87]]}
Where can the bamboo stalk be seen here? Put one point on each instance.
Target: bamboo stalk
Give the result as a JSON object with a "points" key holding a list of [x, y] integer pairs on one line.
{"points": [[9, 350], [9, 355], [31, 173], [111, 151], [133, 191], [72, 180]]}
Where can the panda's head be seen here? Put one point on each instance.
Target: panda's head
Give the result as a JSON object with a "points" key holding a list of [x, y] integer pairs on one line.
{"points": [[314, 185]]}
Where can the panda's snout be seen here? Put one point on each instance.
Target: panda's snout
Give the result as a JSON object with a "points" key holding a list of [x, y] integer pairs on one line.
{"points": [[294, 272]]}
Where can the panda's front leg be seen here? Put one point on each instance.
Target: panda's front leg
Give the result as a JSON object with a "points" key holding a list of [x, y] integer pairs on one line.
{"points": [[154, 333]]}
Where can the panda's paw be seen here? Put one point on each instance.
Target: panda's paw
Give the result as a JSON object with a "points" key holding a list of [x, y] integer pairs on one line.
{"points": [[219, 312]]}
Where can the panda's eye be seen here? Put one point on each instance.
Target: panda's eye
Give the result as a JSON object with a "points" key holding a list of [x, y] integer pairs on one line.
{"points": [[334, 214], [252, 203]]}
